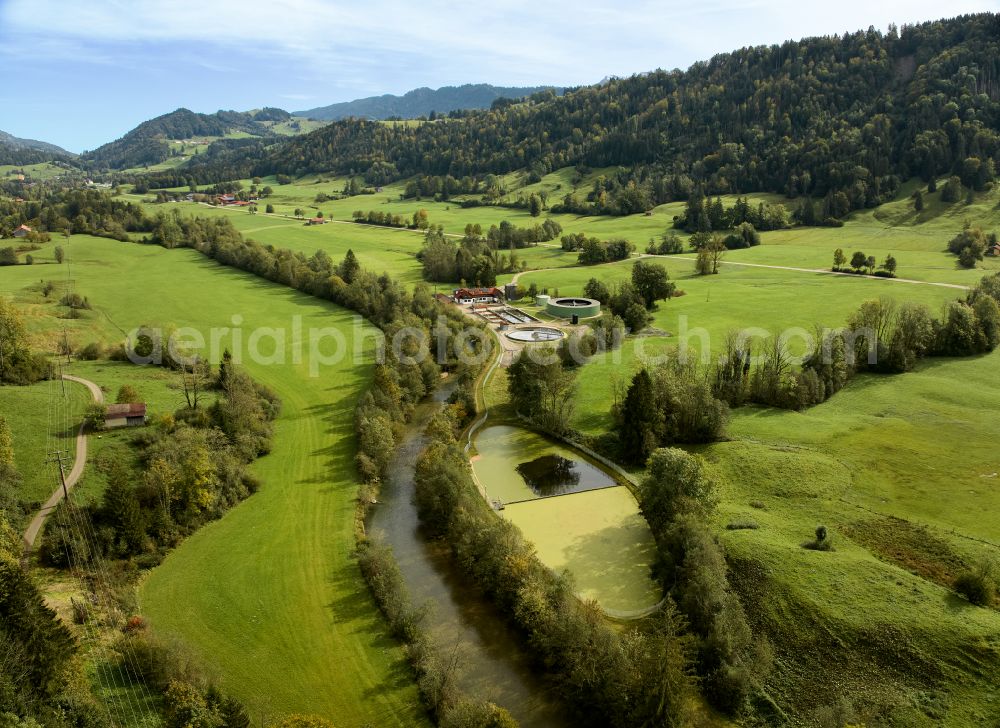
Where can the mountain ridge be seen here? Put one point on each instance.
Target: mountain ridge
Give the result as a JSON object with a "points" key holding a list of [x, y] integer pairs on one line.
{"points": [[147, 143], [422, 101], [9, 140]]}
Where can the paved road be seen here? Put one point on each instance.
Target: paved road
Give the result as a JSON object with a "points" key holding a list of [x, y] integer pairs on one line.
{"points": [[74, 474]]}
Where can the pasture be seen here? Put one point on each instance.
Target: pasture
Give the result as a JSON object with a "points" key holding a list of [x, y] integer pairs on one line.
{"points": [[268, 599], [901, 469]]}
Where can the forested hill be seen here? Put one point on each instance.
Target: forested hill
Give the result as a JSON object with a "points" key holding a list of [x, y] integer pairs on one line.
{"points": [[851, 114], [147, 143], [421, 102], [14, 150]]}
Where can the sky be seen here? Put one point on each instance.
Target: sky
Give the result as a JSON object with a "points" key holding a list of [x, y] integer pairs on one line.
{"points": [[80, 73]]}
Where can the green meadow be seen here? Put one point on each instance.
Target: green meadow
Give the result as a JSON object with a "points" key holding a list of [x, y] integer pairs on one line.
{"points": [[268, 599], [44, 171], [902, 472], [42, 420], [917, 240], [899, 468]]}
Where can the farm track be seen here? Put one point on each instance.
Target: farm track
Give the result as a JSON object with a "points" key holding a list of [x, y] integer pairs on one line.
{"points": [[31, 534]]}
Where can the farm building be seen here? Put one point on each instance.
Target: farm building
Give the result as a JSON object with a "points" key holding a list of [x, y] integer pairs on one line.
{"points": [[124, 415], [478, 295], [22, 231], [317, 221]]}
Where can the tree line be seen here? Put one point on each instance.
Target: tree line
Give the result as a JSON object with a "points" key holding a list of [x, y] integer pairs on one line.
{"points": [[478, 259], [842, 118], [639, 675]]}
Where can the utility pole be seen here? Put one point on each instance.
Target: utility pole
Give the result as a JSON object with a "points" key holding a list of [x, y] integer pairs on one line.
{"points": [[57, 457]]}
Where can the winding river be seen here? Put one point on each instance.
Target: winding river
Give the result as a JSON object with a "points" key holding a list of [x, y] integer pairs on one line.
{"points": [[493, 664]]}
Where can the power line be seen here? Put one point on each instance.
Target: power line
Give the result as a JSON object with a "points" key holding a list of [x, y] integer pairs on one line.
{"points": [[57, 456]]}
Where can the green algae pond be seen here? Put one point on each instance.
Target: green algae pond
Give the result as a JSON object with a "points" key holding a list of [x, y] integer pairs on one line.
{"points": [[580, 518]]}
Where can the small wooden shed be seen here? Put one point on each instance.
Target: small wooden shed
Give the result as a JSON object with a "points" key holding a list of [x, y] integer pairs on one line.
{"points": [[125, 415]]}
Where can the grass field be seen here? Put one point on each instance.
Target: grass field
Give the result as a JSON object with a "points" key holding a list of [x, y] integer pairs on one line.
{"points": [[917, 240], [44, 171], [42, 421], [872, 454], [268, 598], [388, 250], [902, 471], [44, 417]]}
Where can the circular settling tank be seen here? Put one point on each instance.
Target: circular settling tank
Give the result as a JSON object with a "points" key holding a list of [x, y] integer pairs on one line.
{"points": [[535, 334], [570, 307]]}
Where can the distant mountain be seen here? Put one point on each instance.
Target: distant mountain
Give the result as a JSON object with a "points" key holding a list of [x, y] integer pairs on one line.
{"points": [[422, 101], [148, 143], [14, 150]]}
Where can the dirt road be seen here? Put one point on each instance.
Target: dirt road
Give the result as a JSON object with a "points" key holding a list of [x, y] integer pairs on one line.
{"points": [[72, 476]]}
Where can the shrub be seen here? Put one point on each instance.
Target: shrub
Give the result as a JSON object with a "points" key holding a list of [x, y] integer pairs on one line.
{"points": [[743, 525], [303, 721], [74, 301], [952, 190], [381, 571], [91, 352], [822, 542], [127, 395], [977, 587], [470, 714], [94, 416]]}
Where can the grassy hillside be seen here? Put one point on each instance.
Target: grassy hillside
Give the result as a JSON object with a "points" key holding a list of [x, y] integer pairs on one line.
{"points": [[876, 617], [268, 598]]}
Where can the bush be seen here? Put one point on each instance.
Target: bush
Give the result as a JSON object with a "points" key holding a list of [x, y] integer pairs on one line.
{"points": [[303, 721], [91, 352], [977, 587], [381, 571], [75, 301], [744, 524], [470, 714], [94, 416], [127, 395], [822, 542]]}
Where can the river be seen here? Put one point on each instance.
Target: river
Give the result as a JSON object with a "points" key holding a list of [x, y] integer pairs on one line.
{"points": [[493, 663]]}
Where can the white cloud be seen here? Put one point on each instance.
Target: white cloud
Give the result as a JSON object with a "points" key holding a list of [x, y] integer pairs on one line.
{"points": [[388, 41]]}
